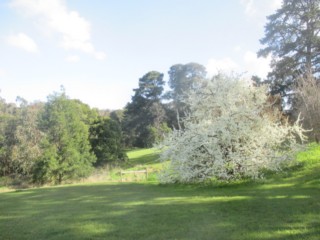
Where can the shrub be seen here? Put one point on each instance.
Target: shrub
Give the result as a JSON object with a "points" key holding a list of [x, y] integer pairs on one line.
{"points": [[232, 131]]}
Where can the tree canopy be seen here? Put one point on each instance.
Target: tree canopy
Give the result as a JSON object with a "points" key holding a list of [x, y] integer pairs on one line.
{"points": [[145, 114], [292, 37], [106, 141], [66, 148], [182, 79]]}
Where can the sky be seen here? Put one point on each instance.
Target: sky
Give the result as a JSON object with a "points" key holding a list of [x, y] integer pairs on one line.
{"points": [[98, 49]]}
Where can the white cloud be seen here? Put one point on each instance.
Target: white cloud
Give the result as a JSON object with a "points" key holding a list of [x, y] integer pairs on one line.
{"points": [[100, 55], [73, 29], [22, 41], [250, 65], [255, 8], [215, 66], [250, 9], [256, 66], [2, 72], [72, 58], [276, 4], [237, 48]]}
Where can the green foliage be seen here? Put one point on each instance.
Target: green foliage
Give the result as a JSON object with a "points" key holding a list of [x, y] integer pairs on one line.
{"points": [[150, 86], [106, 141], [182, 79], [117, 115], [145, 111], [47, 167], [69, 155], [8, 120], [292, 37], [156, 134], [28, 137]]}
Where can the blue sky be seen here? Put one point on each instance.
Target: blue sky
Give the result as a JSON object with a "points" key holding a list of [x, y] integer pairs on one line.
{"points": [[98, 49]]}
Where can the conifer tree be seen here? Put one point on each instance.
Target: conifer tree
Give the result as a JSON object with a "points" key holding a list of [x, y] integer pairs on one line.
{"points": [[66, 148]]}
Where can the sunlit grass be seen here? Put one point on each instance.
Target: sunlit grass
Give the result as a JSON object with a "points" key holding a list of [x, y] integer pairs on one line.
{"points": [[139, 159], [281, 208]]}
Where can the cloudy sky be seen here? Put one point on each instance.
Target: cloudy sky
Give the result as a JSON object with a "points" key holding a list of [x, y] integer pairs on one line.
{"points": [[98, 50]]}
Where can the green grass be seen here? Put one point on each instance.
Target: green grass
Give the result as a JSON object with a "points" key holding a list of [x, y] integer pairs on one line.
{"points": [[281, 208], [139, 159]]}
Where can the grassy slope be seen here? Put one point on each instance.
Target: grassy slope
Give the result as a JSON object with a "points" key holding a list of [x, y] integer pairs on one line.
{"points": [[286, 207]]}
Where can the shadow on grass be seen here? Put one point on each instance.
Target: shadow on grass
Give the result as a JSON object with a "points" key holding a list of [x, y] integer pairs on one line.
{"points": [[146, 211]]}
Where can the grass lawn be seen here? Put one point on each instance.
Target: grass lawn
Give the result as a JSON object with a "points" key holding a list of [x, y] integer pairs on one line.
{"points": [[282, 207]]}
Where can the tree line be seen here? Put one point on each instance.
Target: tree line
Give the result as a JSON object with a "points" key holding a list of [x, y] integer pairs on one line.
{"points": [[56, 141], [63, 138], [153, 112]]}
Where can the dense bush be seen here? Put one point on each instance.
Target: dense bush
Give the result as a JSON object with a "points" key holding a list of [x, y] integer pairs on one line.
{"points": [[231, 132], [106, 141]]}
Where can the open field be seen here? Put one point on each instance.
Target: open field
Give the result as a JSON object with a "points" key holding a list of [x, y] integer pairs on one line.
{"points": [[281, 207]]}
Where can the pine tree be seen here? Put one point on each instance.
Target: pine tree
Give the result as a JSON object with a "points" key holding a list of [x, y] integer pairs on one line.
{"points": [[292, 37]]}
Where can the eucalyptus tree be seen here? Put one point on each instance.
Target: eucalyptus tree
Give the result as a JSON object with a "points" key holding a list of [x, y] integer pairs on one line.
{"points": [[7, 140], [26, 149]]}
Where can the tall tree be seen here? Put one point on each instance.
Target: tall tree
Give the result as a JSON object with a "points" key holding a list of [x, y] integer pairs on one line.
{"points": [[66, 149], [8, 121], [292, 37], [106, 141], [185, 77], [117, 115], [145, 111], [28, 137], [182, 79], [151, 86]]}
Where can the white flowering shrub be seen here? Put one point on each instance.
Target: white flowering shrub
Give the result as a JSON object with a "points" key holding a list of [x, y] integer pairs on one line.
{"points": [[231, 132]]}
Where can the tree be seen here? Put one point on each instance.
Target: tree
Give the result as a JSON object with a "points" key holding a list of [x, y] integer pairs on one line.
{"points": [[150, 86], [182, 79], [292, 38], [66, 148], [307, 103], [106, 141], [19, 137], [117, 115], [230, 132], [8, 121], [26, 149], [145, 111]]}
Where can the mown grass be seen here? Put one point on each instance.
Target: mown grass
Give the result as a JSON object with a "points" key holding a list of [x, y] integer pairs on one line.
{"points": [[139, 159], [286, 207]]}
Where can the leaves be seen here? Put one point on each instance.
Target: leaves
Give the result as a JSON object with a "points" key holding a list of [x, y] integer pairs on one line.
{"points": [[67, 135], [229, 133], [292, 38]]}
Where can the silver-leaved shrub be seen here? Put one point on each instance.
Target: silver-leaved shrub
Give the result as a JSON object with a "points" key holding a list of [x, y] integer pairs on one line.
{"points": [[232, 131]]}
